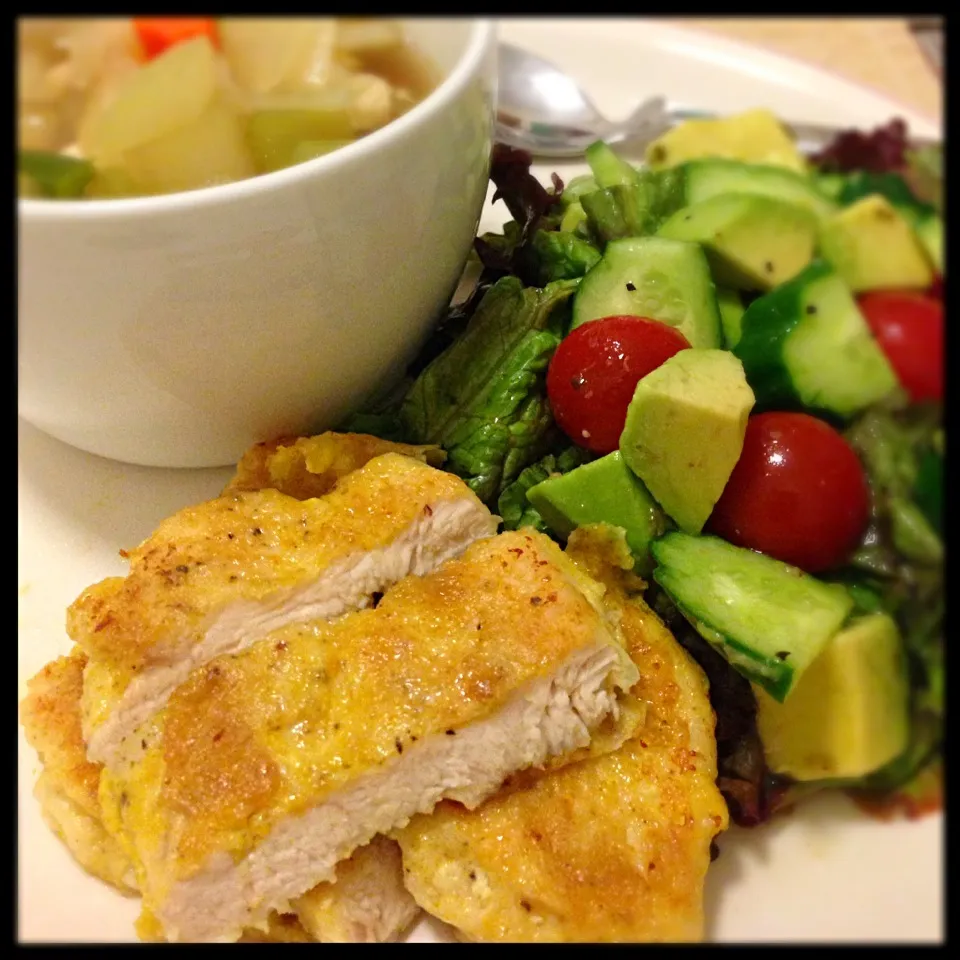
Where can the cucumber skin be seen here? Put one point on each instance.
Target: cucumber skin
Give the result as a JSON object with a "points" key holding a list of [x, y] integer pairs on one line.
{"points": [[577, 187], [775, 676], [609, 168], [760, 347], [708, 335], [731, 308], [781, 378], [736, 176], [929, 230]]}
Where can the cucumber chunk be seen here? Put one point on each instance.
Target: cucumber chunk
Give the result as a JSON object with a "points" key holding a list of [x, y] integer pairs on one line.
{"points": [[730, 305], [665, 280], [829, 184], [707, 178], [607, 168], [572, 217], [576, 188], [929, 229], [768, 619], [806, 345]]}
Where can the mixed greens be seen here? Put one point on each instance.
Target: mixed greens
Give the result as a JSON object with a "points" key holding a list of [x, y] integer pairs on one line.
{"points": [[735, 246]]}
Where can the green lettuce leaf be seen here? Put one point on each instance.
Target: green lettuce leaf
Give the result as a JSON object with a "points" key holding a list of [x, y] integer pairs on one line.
{"points": [[900, 562], [636, 209], [555, 255], [484, 399]]}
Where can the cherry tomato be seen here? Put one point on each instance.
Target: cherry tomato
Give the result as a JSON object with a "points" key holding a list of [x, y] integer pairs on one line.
{"points": [[798, 493], [594, 373], [936, 288], [909, 328]]}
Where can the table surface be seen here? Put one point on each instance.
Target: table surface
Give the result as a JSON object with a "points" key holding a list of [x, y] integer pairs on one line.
{"points": [[879, 52]]}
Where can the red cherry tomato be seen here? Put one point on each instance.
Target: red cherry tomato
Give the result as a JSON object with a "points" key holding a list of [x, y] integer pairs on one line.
{"points": [[594, 373], [909, 328], [798, 493], [936, 288]]}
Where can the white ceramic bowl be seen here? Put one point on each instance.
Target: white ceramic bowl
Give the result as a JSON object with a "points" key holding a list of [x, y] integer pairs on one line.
{"points": [[177, 330]]}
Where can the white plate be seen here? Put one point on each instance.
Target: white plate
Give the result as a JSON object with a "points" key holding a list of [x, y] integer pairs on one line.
{"points": [[822, 873]]}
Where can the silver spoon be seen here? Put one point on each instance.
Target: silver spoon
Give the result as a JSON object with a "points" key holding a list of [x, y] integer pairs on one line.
{"points": [[542, 110]]}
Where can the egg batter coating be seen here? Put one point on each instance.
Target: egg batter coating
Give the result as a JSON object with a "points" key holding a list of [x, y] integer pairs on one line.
{"points": [[270, 766], [614, 848], [217, 577]]}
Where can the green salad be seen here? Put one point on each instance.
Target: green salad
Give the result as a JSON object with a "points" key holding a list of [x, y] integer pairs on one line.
{"points": [[734, 353]]}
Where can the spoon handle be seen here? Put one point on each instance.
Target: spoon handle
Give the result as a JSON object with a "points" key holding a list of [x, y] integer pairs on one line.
{"points": [[651, 120]]}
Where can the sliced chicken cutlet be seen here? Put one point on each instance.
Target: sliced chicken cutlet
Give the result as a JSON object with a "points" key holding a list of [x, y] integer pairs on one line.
{"points": [[219, 576], [366, 904], [610, 849], [305, 467], [67, 786], [268, 767]]}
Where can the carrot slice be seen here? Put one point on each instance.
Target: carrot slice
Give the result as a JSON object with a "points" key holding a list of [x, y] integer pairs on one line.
{"points": [[157, 34]]}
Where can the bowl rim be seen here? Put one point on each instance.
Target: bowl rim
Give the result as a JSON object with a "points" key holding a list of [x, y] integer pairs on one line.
{"points": [[479, 40]]}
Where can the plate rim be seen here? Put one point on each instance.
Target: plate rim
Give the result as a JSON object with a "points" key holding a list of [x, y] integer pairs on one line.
{"points": [[749, 52], [697, 38]]}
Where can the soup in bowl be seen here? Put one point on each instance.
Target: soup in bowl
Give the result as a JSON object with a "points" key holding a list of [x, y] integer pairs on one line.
{"points": [[177, 329], [138, 106]]}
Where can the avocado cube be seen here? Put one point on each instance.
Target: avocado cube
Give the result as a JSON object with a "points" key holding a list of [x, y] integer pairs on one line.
{"points": [[756, 136], [874, 248], [603, 491], [848, 715], [684, 431], [752, 242]]}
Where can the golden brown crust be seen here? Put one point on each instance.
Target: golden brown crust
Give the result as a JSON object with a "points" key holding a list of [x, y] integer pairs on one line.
{"points": [[244, 545], [67, 788], [281, 928], [305, 467], [51, 713], [326, 703], [610, 849], [51, 722], [218, 775]]}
